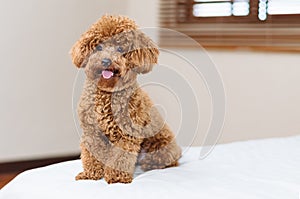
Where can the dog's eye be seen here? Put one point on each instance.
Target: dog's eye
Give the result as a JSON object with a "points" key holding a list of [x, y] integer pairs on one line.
{"points": [[99, 48], [120, 49]]}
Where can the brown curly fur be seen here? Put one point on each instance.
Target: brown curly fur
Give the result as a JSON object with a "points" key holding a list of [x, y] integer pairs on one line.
{"points": [[120, 125]]}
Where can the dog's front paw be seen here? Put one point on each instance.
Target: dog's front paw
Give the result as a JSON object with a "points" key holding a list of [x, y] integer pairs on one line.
{"points": [[81, 176], [88, 176], [114, 176]]}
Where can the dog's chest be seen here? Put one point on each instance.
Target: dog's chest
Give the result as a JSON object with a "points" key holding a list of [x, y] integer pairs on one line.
{"points": [[112, 112], [108, 112]]}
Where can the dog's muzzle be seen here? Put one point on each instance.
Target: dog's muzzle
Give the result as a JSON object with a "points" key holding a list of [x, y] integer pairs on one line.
{"points": [[106, 62]]}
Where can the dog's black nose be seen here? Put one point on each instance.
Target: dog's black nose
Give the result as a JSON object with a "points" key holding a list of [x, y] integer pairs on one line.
{"points": [[106, 62]]}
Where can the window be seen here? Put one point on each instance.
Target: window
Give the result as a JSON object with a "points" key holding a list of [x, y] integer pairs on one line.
{"points": [[204, 8], [273, 24]]}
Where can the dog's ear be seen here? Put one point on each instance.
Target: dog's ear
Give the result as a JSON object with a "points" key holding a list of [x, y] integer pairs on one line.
{"points": [[143, 53], [83, 47]]}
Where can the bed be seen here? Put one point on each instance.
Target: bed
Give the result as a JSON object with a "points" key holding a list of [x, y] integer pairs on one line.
{"points": [[261, 169]]}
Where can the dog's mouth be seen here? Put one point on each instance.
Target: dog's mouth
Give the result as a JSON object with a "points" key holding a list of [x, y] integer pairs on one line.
{"points": [[108, 73]]}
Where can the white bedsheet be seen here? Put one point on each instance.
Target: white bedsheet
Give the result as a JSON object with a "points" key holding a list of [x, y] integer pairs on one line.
{"points": [[262, 169]]}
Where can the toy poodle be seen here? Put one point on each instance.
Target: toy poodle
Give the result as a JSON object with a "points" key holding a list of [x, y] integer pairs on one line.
{"points": [[121, 127]]}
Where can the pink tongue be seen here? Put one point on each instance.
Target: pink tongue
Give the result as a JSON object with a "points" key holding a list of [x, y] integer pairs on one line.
{"points": [[107, 74]]}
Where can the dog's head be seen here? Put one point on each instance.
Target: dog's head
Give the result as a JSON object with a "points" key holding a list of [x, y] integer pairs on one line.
{"points": [[113, 51]]}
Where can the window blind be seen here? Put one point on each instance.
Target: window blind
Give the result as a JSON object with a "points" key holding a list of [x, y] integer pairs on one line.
{"points": [[265, 24]]}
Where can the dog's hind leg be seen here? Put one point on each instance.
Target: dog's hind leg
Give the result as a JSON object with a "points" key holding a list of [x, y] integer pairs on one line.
{"points": [[159, 151]]}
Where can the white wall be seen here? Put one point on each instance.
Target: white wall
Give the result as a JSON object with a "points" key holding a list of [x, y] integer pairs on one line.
{"points": [[37, 76], [263, 94]]}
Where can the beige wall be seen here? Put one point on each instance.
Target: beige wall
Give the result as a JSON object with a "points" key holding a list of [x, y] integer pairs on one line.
{"points": [[262, 89]]}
